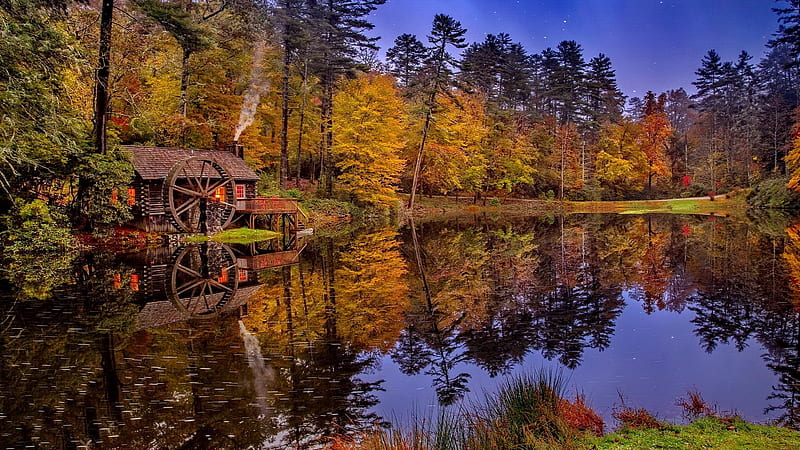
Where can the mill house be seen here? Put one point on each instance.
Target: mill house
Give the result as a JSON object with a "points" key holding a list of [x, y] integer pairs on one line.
{"points": [[178, 190]]}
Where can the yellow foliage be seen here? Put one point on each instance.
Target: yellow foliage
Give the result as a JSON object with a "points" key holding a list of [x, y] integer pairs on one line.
{"points": [[368, 125]]}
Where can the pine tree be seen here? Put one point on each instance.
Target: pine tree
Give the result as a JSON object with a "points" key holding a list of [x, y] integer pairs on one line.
{"points": [[445, 32], [604, 99], [406, 58], [293, 36], [569, 88], [789, 30], [500, 68]]}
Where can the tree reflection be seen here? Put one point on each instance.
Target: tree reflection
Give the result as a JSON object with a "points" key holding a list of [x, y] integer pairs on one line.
{"points": [[339, 310], [430, 342]]}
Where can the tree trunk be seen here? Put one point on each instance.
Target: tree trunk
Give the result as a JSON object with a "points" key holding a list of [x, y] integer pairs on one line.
{"points": [[102, 91], [302, 123], [418, 163], [284, 161], [185, 82], [327, 135]]}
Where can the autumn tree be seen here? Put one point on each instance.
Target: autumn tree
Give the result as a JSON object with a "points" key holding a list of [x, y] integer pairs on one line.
{"points": [[456, 157], [655, 137], [793, 160], [339, 35], [620, 161], [368, 135]]}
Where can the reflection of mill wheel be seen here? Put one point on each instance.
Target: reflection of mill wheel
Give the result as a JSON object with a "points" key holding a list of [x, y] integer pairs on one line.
{"points": [[198, 194], [203, 278]]}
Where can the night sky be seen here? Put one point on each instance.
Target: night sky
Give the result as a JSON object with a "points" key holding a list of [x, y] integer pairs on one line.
{"points": [[654, 45]]}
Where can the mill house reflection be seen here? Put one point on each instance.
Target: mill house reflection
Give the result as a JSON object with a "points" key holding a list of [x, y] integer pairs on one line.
{"points": [[203, 280]]}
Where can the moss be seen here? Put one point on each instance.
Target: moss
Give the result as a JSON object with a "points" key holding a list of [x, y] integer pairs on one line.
{"points": [[707, 432], [236, 236], [244, 236]]}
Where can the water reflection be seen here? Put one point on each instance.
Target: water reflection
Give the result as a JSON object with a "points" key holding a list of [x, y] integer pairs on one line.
{"points": [[281, 344]]}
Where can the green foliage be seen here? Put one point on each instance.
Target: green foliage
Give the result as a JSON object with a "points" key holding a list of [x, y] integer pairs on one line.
{"points": [[39, 132], [35, 228], [37, 249], [294, 193], [333, 208], [773, 193], [106, 178], [177, 20]]}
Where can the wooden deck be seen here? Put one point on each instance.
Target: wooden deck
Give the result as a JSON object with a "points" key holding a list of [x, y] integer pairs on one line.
{"points": [[285, 210], [269, 260], [267, 206]]}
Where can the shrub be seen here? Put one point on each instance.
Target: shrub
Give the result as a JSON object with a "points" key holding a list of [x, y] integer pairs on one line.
{"points": [[35, 228], [773, 193]]}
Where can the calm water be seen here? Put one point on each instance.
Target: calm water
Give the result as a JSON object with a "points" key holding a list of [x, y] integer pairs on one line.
{"points": [[213, 346]]}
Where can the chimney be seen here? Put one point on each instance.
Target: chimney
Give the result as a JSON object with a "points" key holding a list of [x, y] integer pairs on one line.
{"points": [[236, 148]]}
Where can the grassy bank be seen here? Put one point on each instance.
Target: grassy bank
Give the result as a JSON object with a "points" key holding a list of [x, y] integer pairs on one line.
{"points": [[443, 206], [703, 433], [530, 412]]}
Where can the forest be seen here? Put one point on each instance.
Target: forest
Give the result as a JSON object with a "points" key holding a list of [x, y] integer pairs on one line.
{"points": [[301, 84]]}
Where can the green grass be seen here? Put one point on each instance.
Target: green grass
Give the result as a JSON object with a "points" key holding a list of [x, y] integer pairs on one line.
{"points": [[704, 433], [670, 207], [237, 236]]}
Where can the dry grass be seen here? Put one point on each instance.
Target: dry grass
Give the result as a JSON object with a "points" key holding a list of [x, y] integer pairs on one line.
{"points": [[636, 418], [695, 406]]}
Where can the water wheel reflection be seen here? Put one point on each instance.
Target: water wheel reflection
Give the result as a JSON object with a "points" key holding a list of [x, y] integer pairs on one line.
{"points": [[202, 279]]}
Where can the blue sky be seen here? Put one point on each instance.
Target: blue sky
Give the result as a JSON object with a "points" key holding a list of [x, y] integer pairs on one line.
{"points": [[653, 44]]}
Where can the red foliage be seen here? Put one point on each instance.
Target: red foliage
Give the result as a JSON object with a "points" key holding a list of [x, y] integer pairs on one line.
{"points": [[579, 416], [636, 418]]}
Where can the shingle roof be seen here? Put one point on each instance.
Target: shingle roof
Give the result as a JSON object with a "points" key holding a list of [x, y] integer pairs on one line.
{"points": [[153, 163]]}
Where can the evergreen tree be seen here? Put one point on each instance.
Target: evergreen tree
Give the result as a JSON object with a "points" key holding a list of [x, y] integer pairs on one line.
{"points": [[445, 32], [779, 81], [293, 37], [190, 32], [500, 69], [603, 97], [406, 58], [789, 30], [569, 86]]}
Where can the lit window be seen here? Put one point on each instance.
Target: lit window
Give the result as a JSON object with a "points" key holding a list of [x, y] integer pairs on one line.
{"points": [[219, 194], [242, 275], [117, 281], [114, 196], [239, 191], [134, 282], [131, 196], [223, 277]]}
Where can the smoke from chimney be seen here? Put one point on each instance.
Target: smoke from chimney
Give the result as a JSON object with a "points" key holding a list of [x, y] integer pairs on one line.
{"points": [[254, 91]]}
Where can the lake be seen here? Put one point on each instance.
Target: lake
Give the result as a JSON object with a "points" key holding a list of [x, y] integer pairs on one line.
{"points": [[281, 344]]}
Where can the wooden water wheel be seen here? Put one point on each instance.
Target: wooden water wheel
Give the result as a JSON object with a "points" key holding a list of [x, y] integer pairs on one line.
{"points": [[199, 195], [202, 279]]}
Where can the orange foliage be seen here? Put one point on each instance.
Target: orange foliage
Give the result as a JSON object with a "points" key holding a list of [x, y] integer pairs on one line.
{"points": [[579, 416]]}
